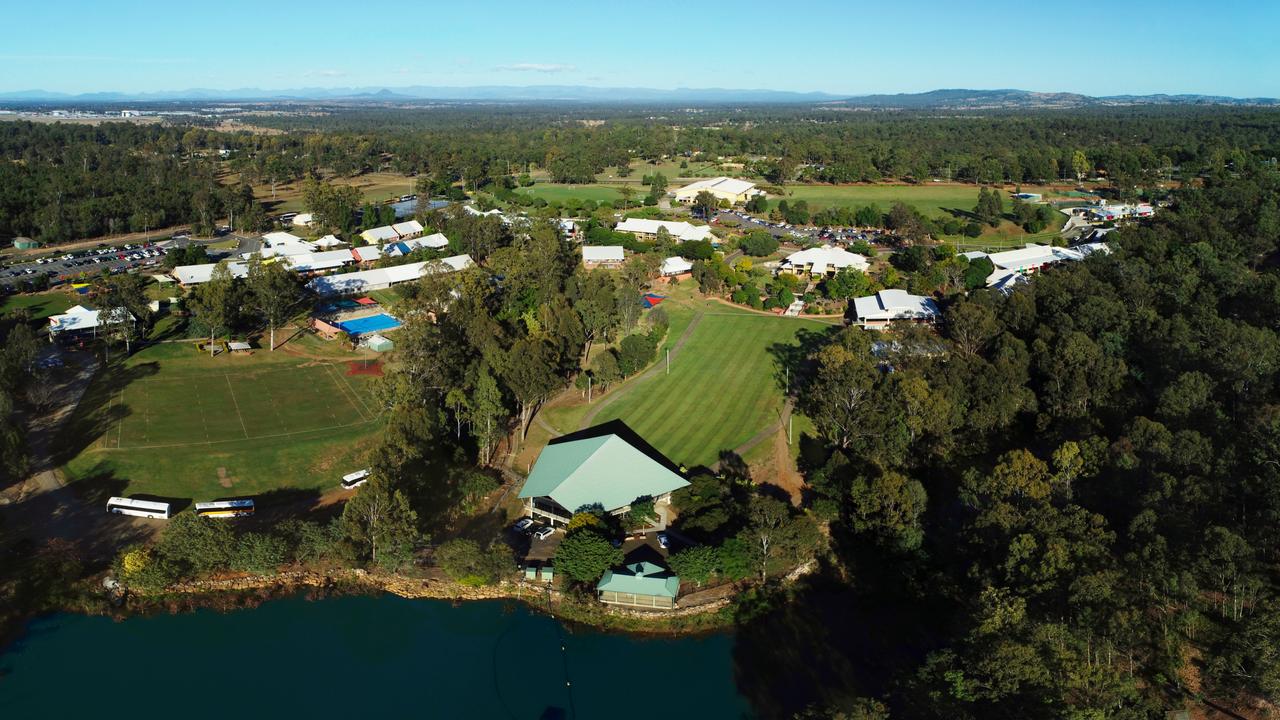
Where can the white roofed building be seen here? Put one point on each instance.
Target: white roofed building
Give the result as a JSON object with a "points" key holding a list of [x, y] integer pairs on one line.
{"points": [[875, 312], [381, 278], [380, 235], [197, 274], [275, 239], [408, 229], [319, 261], [735, 191], [603, 256], [367, 253], [822, 261], [329, 241], [647, 230], [673, 266], [80, 319], [1030, 259], [303, 220]]}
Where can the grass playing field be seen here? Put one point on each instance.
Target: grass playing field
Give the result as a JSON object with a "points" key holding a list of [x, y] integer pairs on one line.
{"points": [[39, 305], [175, 423], [724, 387], [599, 193], [932, 200]]}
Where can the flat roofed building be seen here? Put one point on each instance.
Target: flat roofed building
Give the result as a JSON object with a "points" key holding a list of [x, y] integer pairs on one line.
{"points": [[822, 261], [603, 256], [724, 188], [604, 470], [640, 584], [877, 311]]}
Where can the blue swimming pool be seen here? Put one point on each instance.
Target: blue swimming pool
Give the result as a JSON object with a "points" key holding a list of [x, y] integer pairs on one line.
{"points": [[370, 324]]}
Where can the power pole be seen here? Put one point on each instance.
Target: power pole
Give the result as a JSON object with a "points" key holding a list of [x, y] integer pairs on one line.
{"points": [[668, 361], [588, 389]]}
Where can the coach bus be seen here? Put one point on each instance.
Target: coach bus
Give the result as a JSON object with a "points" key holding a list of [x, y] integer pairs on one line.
{"points": [[138, 508], [224, 508], [355, 479]]}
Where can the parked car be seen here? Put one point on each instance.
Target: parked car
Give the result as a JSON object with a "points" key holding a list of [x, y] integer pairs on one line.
{"points": [[544, 532], [523, 525], [663, 541]]}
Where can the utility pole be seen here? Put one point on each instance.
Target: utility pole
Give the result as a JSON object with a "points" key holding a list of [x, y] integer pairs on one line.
{"points": [[668, 361], [789, 430], [588, 389]]}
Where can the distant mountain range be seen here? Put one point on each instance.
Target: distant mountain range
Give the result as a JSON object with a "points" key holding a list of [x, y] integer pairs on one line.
{"points": [[958, 99], [995, 99]]}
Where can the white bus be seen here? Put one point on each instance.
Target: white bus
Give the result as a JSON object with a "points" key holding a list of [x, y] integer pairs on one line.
{"points": [[355, 479], [224, 508], [138, 508]]}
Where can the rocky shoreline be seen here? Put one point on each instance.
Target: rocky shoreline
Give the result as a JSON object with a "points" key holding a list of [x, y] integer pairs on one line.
{"points": [[249, 590]]}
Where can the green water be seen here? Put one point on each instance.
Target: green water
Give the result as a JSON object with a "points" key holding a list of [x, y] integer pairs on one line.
{"points": [[360, 657]]}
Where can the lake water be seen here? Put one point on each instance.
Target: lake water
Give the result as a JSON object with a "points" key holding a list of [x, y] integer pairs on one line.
{"points": [[360, 657]]}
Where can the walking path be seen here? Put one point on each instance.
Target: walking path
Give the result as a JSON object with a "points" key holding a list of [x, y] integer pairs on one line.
{"points": [[43, 505], [653, 371]]}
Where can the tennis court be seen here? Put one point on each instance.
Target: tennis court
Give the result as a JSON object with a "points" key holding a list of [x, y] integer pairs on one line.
{"points": [[370, 324]]}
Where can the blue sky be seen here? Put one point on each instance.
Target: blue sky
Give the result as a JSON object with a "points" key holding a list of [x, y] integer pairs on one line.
{"points": [[1228, 47]]}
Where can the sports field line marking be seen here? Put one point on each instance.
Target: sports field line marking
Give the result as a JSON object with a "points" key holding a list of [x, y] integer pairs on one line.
{"points": [[255, 437], [345, 395], [236, 403], [347, 391], [120, 422]]}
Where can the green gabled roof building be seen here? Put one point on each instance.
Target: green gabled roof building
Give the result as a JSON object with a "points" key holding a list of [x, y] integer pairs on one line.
{"points": [[640, 584], [606, 471]]}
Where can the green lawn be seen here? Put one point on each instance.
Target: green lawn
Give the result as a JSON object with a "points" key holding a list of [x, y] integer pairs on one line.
{"points": [[175, 423], [40, 305], [723, 387], [928, 199], [597, 192]]}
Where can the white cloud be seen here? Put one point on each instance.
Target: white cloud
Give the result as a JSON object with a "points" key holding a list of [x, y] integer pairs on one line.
{"points": [[538, 67], [325, 73]]}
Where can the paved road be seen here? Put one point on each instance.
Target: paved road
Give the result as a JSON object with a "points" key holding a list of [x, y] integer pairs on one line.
{"points": [[44, 507]]}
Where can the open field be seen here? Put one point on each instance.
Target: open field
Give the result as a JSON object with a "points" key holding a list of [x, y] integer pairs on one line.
{"points": [[932, 199], [724, 385], [599, 193], [175, 423], [376, 187], [39, 305]]}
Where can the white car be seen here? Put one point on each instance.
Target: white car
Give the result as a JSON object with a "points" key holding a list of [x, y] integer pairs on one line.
{"points": [[664, 541], [544, 533]]}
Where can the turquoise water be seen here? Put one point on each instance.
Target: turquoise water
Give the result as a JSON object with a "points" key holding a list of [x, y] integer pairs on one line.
{"points": [[360, 657], [370, 324]]}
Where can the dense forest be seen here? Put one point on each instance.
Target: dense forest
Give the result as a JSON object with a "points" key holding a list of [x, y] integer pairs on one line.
{"points": [[60, 182], [1072, 512]]}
